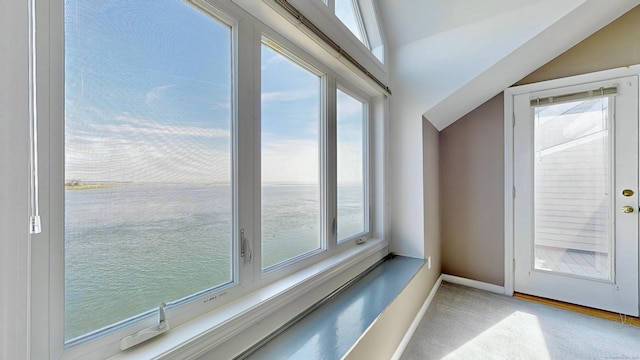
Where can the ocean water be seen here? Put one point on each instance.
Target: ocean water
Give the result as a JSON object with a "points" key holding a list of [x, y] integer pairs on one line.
{"points": [[130, 247]]}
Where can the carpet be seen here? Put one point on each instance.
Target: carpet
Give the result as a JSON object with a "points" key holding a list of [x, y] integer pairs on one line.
{"points": [[466, 323]]}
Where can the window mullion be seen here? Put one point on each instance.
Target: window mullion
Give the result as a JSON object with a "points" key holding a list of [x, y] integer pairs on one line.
{"points": [[331, 225], [247, 77]]}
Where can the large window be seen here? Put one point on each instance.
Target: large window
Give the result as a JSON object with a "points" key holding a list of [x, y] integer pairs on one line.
{"points": [[148, 195], [290, 164], [195, 160]]}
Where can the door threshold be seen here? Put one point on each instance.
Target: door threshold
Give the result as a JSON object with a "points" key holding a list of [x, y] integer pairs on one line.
{"points": [[621, 318]]}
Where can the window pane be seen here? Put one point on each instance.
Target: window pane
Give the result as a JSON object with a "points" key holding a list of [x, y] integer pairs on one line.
{"points": [[573, 183], [290, 159], [349, 14], [350, 150], [148, 196]]}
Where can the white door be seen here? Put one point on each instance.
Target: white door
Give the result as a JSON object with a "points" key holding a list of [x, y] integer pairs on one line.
{"points": [[576, 194]]}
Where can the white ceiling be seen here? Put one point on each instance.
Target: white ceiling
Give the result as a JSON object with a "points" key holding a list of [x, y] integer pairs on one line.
{"points": [[450, 56]]}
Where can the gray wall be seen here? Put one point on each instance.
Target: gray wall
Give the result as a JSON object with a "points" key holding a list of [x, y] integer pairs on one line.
{"points": [[471, 194], [471, 157], [615, 45]]}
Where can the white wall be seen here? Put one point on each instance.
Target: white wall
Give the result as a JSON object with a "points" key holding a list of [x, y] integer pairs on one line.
{"points": [[14, 131], [405, 170]]}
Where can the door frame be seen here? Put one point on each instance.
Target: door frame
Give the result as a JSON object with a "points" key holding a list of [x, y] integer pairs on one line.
{"points": [[509, 122]]}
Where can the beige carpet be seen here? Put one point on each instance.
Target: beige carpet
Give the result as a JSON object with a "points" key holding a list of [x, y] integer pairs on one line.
{"points": [[465, 323]]}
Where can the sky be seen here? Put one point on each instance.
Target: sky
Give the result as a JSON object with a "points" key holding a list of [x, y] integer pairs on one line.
{"points": [[149, 99], [346, 13]]}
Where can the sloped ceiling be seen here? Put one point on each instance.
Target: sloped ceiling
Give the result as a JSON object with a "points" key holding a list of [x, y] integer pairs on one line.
{"points": [[450, 56]]}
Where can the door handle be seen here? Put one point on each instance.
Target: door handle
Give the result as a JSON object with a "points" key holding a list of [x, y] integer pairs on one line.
{"points": [[627, 209]]}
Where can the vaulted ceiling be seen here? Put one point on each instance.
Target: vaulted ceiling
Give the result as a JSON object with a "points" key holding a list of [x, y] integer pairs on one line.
{"points": [[450, 56]]}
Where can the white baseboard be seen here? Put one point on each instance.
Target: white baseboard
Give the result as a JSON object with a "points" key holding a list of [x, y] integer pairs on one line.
{"points": [[473, 284], [414, 325], [443, 277]]}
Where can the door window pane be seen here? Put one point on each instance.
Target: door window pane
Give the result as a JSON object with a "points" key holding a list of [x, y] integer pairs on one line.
{"points": [[289, 158], [350, 166], [573, 186], [148, 195]]}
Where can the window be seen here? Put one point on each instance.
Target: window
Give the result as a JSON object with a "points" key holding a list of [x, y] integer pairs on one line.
{"points": [[360, 17], [148, 195], [348, 12], [290, 164], [180, 143], [351, 166]]}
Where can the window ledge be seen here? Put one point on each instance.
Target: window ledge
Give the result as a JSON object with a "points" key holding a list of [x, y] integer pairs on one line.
{"points": [[272, 306]]}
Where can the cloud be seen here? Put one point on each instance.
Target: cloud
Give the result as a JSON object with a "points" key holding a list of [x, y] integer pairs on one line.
{"points": [[349, 163], [290, 161], [156, 93], [139, 150], [276, 58], [291, 95], [133, 149], [128, 124], [348, 106], [145, 160]]}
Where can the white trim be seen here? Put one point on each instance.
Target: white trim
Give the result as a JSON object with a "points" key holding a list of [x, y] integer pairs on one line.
{"points": [[509, 190], [414, 325], [474, 284], [574, 80], [213, 329]]}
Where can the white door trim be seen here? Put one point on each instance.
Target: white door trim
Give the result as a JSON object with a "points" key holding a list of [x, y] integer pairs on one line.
{"points": [[509, 190]]}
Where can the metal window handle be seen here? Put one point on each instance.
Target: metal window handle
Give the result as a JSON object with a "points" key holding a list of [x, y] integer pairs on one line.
{"points": [[148, 333], [627, 209], [245, 247]]}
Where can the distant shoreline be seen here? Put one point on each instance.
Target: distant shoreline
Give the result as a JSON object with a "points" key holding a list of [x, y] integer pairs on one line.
{"points": [[83, 186], [89, 186]]}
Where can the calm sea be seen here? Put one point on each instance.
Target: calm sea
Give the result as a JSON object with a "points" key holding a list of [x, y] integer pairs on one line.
{"points": [[130, 247]]}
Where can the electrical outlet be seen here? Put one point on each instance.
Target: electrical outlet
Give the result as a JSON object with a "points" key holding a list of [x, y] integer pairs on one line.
{"points": [[429, 262]]}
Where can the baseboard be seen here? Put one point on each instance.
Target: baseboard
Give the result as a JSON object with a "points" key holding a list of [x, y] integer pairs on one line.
{"points": [[473, 284], [416, 321]]}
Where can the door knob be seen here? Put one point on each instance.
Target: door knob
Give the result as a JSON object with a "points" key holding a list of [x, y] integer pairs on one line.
{"points": [[627, 209], [627, 192]]}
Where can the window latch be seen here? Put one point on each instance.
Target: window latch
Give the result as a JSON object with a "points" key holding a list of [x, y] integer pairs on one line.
{"points": [[245, 248], [148, 333]]}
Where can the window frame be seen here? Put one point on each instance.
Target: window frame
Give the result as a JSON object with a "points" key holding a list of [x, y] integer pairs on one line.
{"points": [[289, 52], [47, 258], [367, 18], [103, 342], [357, 14], [367, 173]]}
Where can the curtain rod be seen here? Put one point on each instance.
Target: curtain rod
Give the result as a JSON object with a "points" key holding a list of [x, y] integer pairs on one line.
{"points": [[329, 42]]}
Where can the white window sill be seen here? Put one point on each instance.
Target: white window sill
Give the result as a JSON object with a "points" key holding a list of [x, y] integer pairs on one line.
{"points": [[234, 327]]}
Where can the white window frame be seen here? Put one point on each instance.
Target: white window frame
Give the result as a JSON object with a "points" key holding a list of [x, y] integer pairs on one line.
{"points": [[366, 157], [324, 18], [237, 306], [287, 50], [367, 19], [369, 23]]}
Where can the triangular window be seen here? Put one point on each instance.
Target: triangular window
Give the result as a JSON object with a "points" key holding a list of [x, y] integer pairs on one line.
{"points": [[360, 17], [348, 11]]}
